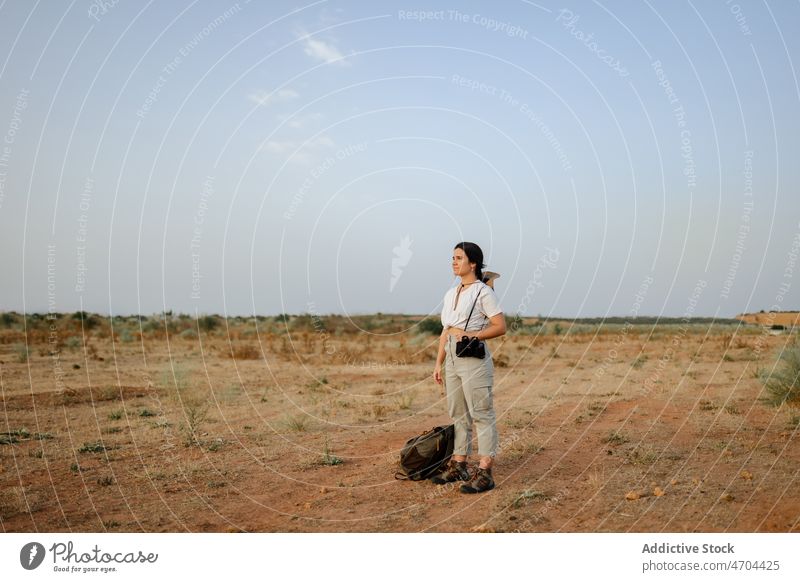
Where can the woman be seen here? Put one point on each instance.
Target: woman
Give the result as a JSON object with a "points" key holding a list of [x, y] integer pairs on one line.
{"points": [[468, 380]]}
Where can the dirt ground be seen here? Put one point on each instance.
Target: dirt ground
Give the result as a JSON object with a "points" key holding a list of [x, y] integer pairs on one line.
{"points": [[663, 429]]}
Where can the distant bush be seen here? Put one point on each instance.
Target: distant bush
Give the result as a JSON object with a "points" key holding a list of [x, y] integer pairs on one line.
{"points": [[73, 342], [208, 323], [152, 324], [580, 328], [245, 352], [431, 325], [23, 352], [783, 384], [515, 325], [8, 320], [89, 320]]}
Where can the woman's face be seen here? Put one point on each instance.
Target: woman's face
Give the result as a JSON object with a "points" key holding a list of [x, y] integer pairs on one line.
{"points": [[461, 264]]}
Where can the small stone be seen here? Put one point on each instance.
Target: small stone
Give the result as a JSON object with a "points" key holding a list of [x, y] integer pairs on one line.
{"points": [[726, 497], [658, 491], [631, 496], [746, 474], [323, 490]]}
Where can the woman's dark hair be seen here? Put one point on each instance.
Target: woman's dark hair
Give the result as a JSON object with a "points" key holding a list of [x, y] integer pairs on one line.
{"points": [[474, 255]]}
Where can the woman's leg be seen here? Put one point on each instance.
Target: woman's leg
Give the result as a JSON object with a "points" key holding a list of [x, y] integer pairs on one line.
{"points": [[478, 390], [478, 393], [458, 407]]}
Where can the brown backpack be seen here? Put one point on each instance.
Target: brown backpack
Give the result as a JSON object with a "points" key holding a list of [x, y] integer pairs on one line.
{"points": [[425, 455]]}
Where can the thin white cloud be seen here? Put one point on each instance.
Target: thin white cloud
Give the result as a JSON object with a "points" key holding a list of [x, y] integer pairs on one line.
{"points": [[279, 147], [322, 141], [299, 121], [302, 156], [263, 97], [323, 51]]}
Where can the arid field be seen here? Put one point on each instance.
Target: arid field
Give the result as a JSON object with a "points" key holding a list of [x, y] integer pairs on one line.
{"points": [[295, 423]]}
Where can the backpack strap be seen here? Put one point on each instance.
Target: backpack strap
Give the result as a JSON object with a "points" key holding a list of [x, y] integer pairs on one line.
{"points": [[473, 307]]}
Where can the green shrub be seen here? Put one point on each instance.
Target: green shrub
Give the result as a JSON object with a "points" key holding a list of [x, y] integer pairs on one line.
{"points": [[89, 320], [297, 423], [208, 323], [431, 325], [196, 415], [23, 352], [783, 384], [8, 320], [615, 438], [73, 342], [328, 458], [96, 447]]}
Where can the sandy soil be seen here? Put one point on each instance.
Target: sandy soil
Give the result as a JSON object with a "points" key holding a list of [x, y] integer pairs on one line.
{"points": [[657, 429]]}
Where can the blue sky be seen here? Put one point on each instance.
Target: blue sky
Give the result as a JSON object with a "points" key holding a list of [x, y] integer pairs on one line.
{"points": [[325, 157]]}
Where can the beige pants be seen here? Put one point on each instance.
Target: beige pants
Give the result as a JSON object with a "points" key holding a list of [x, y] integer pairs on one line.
{"points": [[469, 398]]}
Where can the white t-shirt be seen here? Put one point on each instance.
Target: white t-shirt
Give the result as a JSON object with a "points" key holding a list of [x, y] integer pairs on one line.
{"points": [[486, 307]]}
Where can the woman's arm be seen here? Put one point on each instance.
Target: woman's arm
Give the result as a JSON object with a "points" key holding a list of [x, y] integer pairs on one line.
{"points": [[442, 342], [497, 327], [437, 369]]}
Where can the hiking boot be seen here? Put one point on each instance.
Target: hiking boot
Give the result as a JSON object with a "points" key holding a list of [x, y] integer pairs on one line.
{"points": [[481, 481], [455, 471]]}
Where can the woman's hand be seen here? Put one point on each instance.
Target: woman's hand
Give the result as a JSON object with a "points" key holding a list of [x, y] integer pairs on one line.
{"points": [[437, 377], [437, 374]]}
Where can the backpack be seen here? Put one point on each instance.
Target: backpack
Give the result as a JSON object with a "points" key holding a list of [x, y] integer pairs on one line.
{"points": [[424, 455]]}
